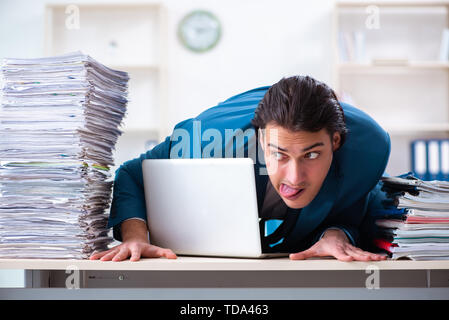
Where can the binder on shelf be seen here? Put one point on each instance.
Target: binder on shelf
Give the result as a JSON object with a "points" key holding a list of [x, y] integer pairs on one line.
{"points": [[433, 156], [444, 46], [419, 159], [430, 159], [444, 153], [352, 46], [344, 55]]}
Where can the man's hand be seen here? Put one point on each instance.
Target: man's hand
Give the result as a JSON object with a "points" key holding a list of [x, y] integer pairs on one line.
{"points": [[135, 244], [335, 243], [135, 249]]}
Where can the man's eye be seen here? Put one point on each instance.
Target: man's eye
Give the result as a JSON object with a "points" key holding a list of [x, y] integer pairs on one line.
{"points": [[278, 155], [312, 155]]}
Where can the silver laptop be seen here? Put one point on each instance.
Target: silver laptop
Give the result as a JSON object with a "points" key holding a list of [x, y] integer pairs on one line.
{"points": [[205, 207]]}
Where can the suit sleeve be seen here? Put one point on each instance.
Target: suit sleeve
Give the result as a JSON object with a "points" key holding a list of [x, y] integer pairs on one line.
{"points": [[358, 220], [128, 199], [347, 220], [377, 203]]}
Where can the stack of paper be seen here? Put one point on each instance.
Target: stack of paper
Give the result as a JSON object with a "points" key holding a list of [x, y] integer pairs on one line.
{"points": [[59, 122], [420, 228]]}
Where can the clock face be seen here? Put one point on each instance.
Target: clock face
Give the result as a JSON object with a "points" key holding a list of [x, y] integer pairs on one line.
{"points": [[199, 31]]}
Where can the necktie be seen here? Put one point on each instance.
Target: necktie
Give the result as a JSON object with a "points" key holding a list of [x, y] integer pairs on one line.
{"points": [[273, 231]]}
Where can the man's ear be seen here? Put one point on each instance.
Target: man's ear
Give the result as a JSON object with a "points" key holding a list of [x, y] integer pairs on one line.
{"points": [[336, 140]]}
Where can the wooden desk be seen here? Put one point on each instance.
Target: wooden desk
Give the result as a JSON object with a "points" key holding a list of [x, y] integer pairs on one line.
{"points": [[225, 278], [184, 263]]}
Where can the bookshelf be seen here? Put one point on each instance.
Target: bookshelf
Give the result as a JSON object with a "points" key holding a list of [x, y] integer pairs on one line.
{"points": [[387, 63], [123, 36]]}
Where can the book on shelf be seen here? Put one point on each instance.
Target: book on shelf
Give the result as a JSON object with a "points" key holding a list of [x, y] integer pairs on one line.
{"points": [[352, 46]]}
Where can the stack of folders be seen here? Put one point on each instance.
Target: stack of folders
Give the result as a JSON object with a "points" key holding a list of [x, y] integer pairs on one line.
{"points": [[416, 224], [59, 123], [430, 159]]}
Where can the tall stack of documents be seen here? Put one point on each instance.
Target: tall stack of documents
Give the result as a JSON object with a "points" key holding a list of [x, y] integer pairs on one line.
{"points": [[59, 123], [417, 227]]}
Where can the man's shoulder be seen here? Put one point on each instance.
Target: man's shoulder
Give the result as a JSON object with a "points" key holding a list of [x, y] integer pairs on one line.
{"points": [[357, 120], [249, 96], [364, 156], [233, 113], [364, 133], [225, 129]]}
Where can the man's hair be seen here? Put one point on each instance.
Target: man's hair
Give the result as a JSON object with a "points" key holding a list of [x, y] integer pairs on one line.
{"points": [[301, 103]]}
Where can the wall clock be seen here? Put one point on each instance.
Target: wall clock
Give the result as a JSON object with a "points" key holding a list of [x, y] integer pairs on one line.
{"points": [[199, 31]]}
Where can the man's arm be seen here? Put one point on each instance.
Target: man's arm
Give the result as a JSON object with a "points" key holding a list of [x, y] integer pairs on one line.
{"points": [[339, 236], [134, 230], [128, 198], [128, 212], [355, 220]]}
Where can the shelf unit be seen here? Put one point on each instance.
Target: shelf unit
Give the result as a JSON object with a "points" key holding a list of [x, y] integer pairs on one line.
{"points": [[127, 37], [386, 62], [364, 67]]}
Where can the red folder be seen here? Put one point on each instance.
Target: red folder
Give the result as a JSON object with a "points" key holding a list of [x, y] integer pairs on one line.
{"points": [[384, 244]]}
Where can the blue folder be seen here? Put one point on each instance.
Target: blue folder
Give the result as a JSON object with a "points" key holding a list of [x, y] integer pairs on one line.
{"points": [[430, 159]]}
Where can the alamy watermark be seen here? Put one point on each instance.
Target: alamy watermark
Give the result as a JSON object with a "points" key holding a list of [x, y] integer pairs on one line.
{"points": [[73, 279], [373, 280], [72, 21], [372, 21], [212, 143]]}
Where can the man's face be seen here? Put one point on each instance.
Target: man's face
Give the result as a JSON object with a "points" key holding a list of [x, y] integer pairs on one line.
{"points": [[297, 162]]}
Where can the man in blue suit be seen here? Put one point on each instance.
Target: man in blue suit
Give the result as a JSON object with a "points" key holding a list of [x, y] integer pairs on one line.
{"points": [[317, 162]]}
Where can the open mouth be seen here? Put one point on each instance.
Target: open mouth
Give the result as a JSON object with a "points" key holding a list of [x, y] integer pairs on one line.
{"points": [[289, 192]]}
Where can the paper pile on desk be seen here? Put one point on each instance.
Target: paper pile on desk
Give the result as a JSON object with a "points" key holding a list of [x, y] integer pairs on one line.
{"points": [[59, 123], [420, 228]]}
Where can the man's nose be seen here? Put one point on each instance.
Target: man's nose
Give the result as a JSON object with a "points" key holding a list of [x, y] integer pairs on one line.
{"points": [[295, 173]]}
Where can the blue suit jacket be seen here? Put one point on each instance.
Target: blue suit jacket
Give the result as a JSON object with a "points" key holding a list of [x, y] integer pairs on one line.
{"points": [[349, 192]]}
